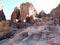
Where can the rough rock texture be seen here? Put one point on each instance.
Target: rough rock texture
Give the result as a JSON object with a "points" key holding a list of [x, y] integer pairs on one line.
{"points": [[41, 14], [4, 27], [5, 30], [29, 36], [26, 10], [45, 37], [2, 16], [15, 15], [30, 20], [42, 31], [55, 13]]}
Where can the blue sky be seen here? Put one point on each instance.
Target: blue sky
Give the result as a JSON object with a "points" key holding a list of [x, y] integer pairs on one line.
{"points": [[46, 5]]}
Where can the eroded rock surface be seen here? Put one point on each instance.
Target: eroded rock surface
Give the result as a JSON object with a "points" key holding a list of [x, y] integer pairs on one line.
{"points": [[15, 15], [43, 29], [55, 13], [4, 28], [27, 10], [41, 14], [2, 16]]}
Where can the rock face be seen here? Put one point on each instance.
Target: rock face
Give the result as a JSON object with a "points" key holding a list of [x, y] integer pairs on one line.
{"points": [[41, 14], [26, 10], [2, 16], [44, 30], [15, 15], [26, 13], [55, 13], [30, 20], [4, 25], [1, 6], [4, 28]]}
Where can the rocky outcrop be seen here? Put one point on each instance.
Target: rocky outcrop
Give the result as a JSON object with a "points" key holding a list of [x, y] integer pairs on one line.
{"points": [[32, 36], [15, 15], [2, 16], [31, 28], [26, 10], [30, 20], [4, 28], [55, 13], [41, 14]]}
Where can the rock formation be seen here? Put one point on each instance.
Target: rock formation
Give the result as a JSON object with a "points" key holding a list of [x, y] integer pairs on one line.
{"points": [[30, 20], [30, 28], [4, 28], [15, 15], [4, 24], [41, 14], [55, 13], [2, 16], [26, 10]]}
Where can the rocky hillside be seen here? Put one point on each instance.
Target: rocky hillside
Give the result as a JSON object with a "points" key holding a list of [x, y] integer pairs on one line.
{"points": [[26, 27]]}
